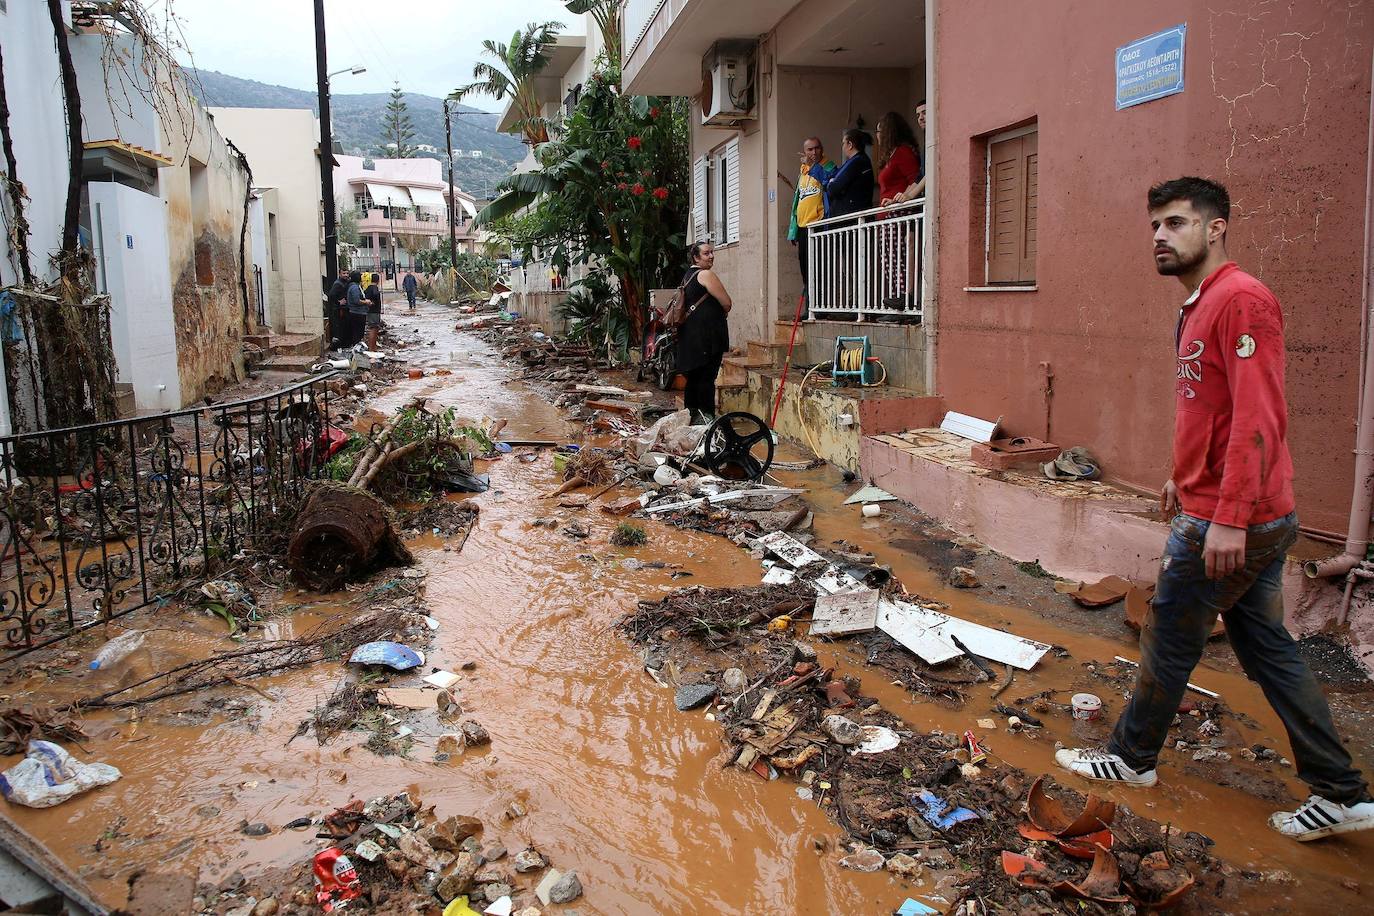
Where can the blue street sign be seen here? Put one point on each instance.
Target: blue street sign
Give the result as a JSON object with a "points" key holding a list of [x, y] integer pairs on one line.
{"points": [[1150, 68]]}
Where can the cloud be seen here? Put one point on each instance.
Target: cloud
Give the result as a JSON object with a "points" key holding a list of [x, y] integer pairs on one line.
{"points": [[429, 46]]}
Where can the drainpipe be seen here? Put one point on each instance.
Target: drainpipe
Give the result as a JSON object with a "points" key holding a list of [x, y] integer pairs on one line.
{"points": [[930, 317], [1350, 563]]}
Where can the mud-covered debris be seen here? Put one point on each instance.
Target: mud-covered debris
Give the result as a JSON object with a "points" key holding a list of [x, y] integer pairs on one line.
{"points": [[842, 730], [474, 735], [342, 533], [963, 577], [864, 859], [528, 860]]}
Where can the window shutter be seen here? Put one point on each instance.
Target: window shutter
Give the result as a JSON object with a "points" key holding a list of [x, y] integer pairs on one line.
{"points": [[732, 191], [1006, 210], [1030, 156], [699, 193]]}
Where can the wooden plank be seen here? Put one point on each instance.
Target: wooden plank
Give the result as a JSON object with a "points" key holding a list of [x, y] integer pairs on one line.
{"points": [[846, 613], [409, 697], [621, 407]]}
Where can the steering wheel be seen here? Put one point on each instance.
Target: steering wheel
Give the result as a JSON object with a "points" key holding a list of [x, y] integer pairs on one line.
{"points": [[738, 446]]}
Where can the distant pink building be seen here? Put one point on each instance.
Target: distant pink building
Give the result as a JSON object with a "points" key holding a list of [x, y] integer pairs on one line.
{"points": [[404, 199]]}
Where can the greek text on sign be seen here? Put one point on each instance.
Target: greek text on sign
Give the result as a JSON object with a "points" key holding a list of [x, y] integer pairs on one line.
{"points": [[1150, 68]]}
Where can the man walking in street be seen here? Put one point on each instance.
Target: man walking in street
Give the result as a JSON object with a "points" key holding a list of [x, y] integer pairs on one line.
{"points": [[409, 285], [808, 201], [374, 310], [1231, 498]]}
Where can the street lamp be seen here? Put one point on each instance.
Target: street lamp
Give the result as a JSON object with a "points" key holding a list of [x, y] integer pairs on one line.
{"points": [[353, 70]]}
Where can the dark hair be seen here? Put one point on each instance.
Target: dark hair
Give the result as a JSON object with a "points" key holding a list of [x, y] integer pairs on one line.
{"points": [[355, 276], [857, 137], [694, 249], [896, 132], [1207, 197]]}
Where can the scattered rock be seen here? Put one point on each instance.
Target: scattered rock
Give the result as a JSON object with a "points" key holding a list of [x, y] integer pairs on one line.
{"points": [[208, 810], [494, 853], [919, 828], [904, 866], [963, 577], [566, 889], [843, 731], [1350, 884], [691, 696], [1247, 754], [495, 891], [1278, 876], [417, 851], [268, 907], [493, 875], [530, 911], [457, 878], [514, 810], [1209, 729], [1285, 762], [734, 680], [474, 734], [1209, 753], [865, 859], [576, 530], [468, 666], [449, 745], [254, 829], [803, 652], [528, 860]]}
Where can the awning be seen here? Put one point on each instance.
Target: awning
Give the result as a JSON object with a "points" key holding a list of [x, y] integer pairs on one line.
{"points": [[384, 195], [467, 206], [428, 198]]}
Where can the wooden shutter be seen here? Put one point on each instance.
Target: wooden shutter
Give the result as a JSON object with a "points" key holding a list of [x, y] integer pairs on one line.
{"points": [[1013, 190], [732, 191], [699, 192]]}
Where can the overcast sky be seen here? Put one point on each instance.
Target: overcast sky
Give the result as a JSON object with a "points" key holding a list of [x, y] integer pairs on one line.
{"points": [[428, 45]]}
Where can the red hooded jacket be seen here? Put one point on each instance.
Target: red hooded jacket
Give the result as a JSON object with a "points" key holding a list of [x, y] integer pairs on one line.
{"points": [[1231, 461]]}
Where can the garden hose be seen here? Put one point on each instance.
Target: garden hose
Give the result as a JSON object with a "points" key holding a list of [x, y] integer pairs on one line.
{"points": [[852, 360]]}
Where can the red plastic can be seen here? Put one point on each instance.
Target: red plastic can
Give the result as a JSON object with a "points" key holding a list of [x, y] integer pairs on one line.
{"points": [[336, 881], [976, 754]]}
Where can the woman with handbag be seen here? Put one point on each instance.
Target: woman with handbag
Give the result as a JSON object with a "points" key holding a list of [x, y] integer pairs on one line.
{"points": [[703, 333]]}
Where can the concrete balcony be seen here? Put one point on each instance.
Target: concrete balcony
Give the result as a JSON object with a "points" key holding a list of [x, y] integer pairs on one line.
{"points": [[411, 224]]}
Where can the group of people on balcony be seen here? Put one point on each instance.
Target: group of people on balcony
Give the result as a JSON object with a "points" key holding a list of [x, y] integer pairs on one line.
{"points": [[893, 170]]}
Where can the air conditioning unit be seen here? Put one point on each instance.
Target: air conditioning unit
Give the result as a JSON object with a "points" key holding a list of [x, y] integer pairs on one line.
{"points": [[727, 83]]}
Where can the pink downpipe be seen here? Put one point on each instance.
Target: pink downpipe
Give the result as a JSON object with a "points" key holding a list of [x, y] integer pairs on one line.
{"points": [[1362, 502]]}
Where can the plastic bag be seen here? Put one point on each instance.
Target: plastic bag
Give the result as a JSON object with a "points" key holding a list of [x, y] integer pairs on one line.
{"points": [[49, 776]]}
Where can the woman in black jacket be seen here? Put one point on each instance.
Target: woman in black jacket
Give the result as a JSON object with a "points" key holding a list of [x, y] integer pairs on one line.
{"points": [[705, 334], [850, 189]]}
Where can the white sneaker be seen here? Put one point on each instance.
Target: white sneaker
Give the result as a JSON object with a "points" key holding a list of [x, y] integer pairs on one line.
{"points": [[1319, 818], [1091, 763]]}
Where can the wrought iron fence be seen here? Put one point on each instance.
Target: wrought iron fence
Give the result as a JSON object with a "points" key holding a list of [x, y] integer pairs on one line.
{"points": [[868, 266], [101, 520]]}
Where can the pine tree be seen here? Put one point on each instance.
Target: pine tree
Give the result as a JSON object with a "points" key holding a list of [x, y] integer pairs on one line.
{"points": [[399, 129]]}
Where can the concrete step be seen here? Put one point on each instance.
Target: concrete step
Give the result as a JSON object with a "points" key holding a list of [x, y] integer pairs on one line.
{"points": [[262, 341], [782, 332], [296, 345], [773, 352], [289, 363]]}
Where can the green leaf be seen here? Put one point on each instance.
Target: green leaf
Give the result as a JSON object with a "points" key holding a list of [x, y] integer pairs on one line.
{"points": [[906, 772]]}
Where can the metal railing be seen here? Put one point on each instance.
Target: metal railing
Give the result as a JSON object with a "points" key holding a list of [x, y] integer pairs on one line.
{"points": [[101, 520], [869, 265]]}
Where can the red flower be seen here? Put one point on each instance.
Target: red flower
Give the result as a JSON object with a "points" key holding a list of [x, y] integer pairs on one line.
{"points": [[637, 190], [634, 143], [621, 186], [653, 112], [661, 193], [605, 163]]}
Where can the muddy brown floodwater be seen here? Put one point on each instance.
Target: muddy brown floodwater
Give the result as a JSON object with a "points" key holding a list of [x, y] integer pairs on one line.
{"points": [[617, 784]]}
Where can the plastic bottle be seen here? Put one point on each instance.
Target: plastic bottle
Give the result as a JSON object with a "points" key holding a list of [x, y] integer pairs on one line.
{"points": [[117, 649]]}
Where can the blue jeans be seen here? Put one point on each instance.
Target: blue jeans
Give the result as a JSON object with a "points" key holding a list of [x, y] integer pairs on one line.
{"points": [[1185, 610]]}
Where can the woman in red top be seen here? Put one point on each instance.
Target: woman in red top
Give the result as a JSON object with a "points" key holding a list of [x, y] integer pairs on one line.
{"points": [[899, 167]]}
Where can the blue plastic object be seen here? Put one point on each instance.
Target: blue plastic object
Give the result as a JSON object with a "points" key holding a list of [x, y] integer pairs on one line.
{"points": [[932, 806], [862, 375], [392, 654], [911, 907]]}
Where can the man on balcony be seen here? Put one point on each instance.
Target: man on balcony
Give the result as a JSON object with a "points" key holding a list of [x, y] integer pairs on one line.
{"points": [[809, 201]]}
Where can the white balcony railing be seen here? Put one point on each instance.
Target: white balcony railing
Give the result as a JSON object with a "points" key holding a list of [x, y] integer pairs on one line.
{"points": [[537, 277], [869, 265]]}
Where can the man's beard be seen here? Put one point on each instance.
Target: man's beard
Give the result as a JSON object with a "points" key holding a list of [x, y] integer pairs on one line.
{"points": [[1181, 263]]}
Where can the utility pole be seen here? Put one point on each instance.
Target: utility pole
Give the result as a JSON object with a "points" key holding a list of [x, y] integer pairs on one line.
{"points": [[331, 238], [452, 201]]}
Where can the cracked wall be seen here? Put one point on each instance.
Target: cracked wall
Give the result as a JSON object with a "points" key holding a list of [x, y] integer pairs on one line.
{"points": [[1276, 106]]}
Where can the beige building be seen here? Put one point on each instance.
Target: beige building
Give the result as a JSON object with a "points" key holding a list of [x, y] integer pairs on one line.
{"points": [[282, 146]]}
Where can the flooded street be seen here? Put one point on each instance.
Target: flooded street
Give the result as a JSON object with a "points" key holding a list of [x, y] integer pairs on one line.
{"points": [[617, 784]]}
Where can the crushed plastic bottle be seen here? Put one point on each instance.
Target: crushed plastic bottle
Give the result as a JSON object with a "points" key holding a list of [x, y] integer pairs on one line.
{"points": [[117, 649]]}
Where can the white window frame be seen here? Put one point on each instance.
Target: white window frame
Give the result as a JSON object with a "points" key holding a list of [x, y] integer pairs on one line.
{"points": [[722, 195]]}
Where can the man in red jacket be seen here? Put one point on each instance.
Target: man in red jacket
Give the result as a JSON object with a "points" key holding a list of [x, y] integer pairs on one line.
{"points": [[1231, 498]]}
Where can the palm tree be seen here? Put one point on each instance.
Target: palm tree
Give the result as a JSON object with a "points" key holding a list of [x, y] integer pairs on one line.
{"points": [[607, 16], [513, 75]]}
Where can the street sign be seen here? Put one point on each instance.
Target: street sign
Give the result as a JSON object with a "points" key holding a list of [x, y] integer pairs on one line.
{"points": [[1150, 68]]}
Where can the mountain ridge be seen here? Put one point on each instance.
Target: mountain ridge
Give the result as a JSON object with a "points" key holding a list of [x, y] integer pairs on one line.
{"points": [[359, 118]]}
